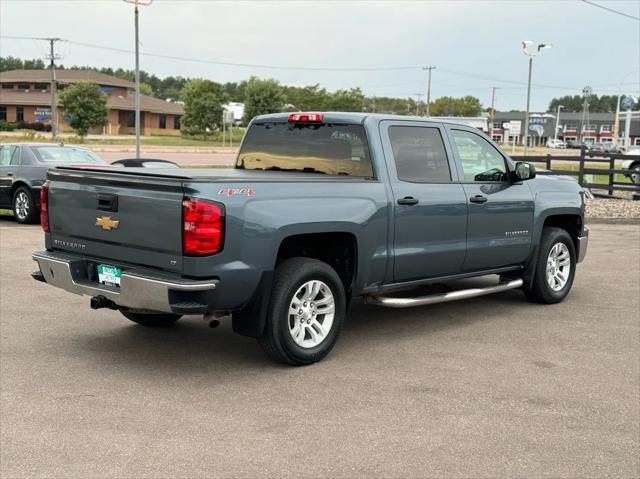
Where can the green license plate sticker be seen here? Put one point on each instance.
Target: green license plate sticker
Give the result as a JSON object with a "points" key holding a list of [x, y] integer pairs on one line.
{"points": [[109, 275]]}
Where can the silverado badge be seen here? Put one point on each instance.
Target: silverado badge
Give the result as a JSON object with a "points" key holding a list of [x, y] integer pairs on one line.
{"points": [[107, 223]]}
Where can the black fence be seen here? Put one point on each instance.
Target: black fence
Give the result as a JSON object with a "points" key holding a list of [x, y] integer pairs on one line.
{"points": [[585, 158]]}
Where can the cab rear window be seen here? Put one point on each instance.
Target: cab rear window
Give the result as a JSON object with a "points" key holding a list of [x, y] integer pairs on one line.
{"points": [[329, 148]]}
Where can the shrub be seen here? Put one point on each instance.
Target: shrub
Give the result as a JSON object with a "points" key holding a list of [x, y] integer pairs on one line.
{"points": [[7, 126]]}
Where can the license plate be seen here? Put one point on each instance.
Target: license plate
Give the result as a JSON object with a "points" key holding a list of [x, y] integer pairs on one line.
{"points": [[109, 275]]}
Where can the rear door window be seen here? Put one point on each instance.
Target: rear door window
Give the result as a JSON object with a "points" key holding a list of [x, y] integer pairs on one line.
{"points": [[329, 148], [419, 154]]}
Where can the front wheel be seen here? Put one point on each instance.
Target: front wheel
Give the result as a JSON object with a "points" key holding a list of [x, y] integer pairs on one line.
{"points": [[150, 320], [635, 176], [555, 267], [306, 312]]}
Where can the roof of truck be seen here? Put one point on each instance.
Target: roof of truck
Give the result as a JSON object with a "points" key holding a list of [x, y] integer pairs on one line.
{"points": [[354, 117]]}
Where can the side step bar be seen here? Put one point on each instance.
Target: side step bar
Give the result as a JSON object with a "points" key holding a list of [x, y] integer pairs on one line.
{"points": [[442, 297]]}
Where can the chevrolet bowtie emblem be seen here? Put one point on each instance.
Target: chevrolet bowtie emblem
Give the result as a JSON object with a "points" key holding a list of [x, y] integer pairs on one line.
{"points": [[107, 223]]}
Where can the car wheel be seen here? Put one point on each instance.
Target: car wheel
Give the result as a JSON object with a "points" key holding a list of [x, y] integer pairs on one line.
{"points": [[555, 267], [24, 208], [306, 312], [151, 320], [635, 176]]}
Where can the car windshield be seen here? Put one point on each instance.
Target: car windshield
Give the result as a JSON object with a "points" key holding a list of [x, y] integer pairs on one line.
{"points": [[329, 148], [66, 154]]}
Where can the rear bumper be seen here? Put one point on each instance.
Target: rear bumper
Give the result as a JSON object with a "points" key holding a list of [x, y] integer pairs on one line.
{"points": [[139, 290], [583, 242]]}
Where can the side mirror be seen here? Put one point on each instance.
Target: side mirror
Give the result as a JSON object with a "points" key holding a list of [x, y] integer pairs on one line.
{"points": [[524, 171]]}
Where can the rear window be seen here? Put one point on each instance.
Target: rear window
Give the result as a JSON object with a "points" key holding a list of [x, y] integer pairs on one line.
{"points": [[329, 148], [66, 154]]}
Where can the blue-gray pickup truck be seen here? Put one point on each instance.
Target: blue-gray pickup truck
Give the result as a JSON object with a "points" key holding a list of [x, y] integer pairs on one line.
{"points": [[320, 208]]}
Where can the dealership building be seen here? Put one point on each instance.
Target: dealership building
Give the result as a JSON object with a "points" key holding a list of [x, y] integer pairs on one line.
{"points": [[592, 128], [25, 96]]}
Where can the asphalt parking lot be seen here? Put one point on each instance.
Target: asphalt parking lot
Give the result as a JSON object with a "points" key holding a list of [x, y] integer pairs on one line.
{"points": [[489, 387]]}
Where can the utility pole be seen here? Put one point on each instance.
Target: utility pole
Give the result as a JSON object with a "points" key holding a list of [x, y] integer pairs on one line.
{"points": [[137, 74], [54, 86], [428, 88], [530, 55], [419, 95], [491, 112], [555, 134]]}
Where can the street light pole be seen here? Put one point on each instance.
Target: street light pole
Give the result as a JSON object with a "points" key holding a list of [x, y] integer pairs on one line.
{"points": [[428, 89], [555, 136], [137, 72], [531, 56]]}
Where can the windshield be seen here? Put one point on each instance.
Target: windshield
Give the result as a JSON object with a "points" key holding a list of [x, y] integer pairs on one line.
{"points": [[329, 148], [66, 154]]}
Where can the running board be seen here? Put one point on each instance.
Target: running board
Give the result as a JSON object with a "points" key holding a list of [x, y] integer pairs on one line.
{"points": [[442, 297]]}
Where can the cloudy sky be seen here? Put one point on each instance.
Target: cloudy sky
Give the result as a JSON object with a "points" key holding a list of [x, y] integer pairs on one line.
{"points": [[474, 44]]}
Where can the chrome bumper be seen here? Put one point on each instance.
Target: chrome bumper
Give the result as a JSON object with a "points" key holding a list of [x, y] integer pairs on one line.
{"points": [[137, 291], [583, 242]]}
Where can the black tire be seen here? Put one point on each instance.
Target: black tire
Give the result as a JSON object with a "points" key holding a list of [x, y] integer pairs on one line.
{"points": [[539, 290], [24, 208], [150, 320], [635, 176], [277, 341]]}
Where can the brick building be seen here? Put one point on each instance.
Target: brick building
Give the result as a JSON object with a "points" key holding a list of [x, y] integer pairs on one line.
{"points": [[25, 95], [572, 126]]}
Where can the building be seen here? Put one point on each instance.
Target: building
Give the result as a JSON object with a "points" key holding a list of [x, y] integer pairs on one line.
{"points": [[598, 128], [25, 96]]}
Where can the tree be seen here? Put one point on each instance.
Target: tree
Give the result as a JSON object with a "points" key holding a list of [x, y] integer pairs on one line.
{"points": [[14, 63], [202, 105], [346, 100], [597, 104], [449, 106], [261, 97], [306, 98], [86, 105], [145, 89]]}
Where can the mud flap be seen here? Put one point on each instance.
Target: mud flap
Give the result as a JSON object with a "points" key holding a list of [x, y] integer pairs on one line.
{"points": [[250, 320]]}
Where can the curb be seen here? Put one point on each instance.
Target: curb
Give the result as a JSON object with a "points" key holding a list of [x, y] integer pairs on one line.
{"points": [[612, 221]]}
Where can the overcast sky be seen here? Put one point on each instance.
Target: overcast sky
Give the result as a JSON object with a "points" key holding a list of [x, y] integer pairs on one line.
{"points": [[474, 45]]}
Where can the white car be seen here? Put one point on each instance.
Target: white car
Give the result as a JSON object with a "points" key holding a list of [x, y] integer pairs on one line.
{"points": [[633, 164], [556, 144]]}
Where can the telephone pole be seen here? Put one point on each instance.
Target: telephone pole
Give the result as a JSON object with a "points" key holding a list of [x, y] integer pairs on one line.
{"points": [[428, 88], [419, 95], [492, 112], [54, 86]]}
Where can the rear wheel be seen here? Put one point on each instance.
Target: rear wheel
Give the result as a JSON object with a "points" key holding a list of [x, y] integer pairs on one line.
{"points": [[305, 313], [24, 208], [151, 320], [555, 267]]}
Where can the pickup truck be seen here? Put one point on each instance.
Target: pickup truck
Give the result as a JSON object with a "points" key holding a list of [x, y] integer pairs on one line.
{"points": [[320, 208]]}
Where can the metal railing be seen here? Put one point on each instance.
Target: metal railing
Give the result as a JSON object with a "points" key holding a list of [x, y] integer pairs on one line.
{"points": [[584, 170]]}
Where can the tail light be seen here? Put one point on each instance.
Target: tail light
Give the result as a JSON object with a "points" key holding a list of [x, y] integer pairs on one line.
{"points": [[44, 207], [306, 117], [202, 227]]}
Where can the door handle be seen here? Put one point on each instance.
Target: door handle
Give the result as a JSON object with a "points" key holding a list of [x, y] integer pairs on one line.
{"points": [[408, 200], [478, 199], [10, 173]]}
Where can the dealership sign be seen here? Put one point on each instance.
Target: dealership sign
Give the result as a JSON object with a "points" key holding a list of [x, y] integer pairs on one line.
{"points": [[43, 113]]}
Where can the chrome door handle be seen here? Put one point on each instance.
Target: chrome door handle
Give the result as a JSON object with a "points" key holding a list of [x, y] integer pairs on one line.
{"points": [[478, 199]]}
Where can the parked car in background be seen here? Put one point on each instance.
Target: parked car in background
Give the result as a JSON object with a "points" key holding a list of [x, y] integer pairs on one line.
{"points": [[145, 163], [613, 148], [556, 144], [633, 164], [574, 144], [23, 170], [597, 148]]}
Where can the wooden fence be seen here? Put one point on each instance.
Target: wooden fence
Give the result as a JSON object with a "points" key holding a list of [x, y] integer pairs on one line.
{"points": [[610, 171]]}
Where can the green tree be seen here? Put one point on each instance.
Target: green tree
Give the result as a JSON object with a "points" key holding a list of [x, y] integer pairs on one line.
{"points": [[202, 105], [449, 106], [346, 100], [86, 105], [145, 89], [261, 97], [307, 98], [14, 63]]}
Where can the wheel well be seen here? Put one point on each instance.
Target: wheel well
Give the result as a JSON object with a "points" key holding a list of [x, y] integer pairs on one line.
{"points": [[338, 250], [17, 185], [571, 223]]}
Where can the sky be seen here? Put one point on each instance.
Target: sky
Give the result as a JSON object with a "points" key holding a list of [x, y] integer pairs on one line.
{"points": [[474, 44]]}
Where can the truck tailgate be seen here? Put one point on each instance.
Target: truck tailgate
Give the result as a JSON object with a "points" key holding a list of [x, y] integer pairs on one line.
{"points": [[128, 217]]}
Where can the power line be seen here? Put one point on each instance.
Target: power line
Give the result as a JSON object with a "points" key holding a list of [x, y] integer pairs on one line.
{"points": [[617, 12]]}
